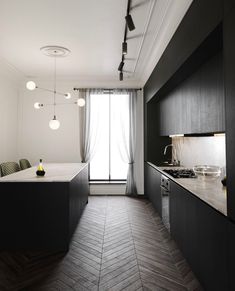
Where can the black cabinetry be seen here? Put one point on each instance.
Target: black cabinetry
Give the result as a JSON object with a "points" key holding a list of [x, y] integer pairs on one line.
{"points": [[201, 233], [152, 189], [229, 75], [196, 105]]}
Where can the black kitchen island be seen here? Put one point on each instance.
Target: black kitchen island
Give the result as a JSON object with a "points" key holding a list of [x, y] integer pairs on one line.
{"points": [[38, 213]]}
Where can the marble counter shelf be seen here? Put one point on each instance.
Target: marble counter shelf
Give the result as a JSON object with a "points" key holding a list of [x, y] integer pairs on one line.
{"points": [[209, 190]]}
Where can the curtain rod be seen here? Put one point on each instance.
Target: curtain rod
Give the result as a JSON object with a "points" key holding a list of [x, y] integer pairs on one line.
{"points": [[106, 89]]}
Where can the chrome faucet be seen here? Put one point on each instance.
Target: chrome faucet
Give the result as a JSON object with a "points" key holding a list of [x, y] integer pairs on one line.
{"points": [[174, 160]]}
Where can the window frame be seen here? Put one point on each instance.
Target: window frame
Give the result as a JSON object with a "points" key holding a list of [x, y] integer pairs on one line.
{"points": [[108, 92]]}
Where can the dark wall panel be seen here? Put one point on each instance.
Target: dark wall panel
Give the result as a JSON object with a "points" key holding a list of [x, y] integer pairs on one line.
{"points": [[200, 20], [229, 69]]}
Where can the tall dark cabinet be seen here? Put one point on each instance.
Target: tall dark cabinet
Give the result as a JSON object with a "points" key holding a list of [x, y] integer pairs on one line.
{"points": [[229, 75]]}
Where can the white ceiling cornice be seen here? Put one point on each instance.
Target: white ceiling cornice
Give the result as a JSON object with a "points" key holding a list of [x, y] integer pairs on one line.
{"points": [[93, 31], [169, 19]]}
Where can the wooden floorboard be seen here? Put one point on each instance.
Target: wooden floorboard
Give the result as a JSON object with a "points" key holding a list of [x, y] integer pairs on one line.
{"points": [[120, 244]]}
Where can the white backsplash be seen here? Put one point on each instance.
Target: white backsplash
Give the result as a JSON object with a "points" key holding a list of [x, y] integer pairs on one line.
{"points": [[209, 150]]}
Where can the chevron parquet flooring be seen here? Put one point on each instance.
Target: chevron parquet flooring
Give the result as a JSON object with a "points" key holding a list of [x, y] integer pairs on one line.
{"points": [[120, 244]]}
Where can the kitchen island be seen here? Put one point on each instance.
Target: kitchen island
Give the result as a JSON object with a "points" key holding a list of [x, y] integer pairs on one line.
{"points": [[42, 212]]}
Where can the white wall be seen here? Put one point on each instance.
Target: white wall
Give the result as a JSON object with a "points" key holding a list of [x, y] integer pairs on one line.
{"points": [[8, 118], [37, 140], [207, 150]]}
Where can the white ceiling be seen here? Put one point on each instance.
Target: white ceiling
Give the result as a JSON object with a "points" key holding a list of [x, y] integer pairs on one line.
{"points": [[93, 31]]}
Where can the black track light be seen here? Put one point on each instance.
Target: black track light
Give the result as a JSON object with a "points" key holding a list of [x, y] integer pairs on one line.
{"points": [[121, 76], [121, 66], [130, 22], [124, 48]]}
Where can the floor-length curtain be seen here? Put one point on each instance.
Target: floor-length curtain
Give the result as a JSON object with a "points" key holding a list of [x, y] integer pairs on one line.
{"points": [[128, 151], [89, 130]]}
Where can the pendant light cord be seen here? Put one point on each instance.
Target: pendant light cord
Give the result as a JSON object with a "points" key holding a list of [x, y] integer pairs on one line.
{"points": [[54, 84]]}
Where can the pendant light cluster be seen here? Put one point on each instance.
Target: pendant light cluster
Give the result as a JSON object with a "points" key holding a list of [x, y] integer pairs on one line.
{"points": [[130, 26], [55, 52]]}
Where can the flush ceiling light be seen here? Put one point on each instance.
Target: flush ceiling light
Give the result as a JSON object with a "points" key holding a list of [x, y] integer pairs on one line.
{"points": [[55, 52], [129, 22]]}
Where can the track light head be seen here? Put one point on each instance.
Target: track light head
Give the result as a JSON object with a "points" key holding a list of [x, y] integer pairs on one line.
{"points": [[120, 67], [124, 48], [129, 22], [121, 76]]}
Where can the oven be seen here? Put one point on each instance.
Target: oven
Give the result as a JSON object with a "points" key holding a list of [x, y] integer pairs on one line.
{"points": [[165, 192]]}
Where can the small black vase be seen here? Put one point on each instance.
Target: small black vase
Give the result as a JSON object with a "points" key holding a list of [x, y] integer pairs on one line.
{"points": [[40, 173]]}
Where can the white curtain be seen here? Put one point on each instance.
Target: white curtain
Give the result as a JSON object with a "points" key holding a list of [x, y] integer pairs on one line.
{"points": [[89, 129], [128, 151]]}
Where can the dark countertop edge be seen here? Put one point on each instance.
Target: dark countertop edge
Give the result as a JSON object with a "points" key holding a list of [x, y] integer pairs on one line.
{"points": [[158, 168]]}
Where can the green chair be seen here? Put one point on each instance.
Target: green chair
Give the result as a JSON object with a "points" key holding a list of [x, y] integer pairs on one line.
{"points": [[24, 164], [9, 168]]}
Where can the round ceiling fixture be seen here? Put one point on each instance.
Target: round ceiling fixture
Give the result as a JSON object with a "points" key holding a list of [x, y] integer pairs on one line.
{"points": [[54, 51]]}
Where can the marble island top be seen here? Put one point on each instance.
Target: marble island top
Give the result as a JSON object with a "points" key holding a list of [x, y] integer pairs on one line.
{"points": [[210, 190], [55, 172]]}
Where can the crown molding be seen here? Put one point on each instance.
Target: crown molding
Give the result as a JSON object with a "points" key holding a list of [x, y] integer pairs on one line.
{"points": [[172, 16]]}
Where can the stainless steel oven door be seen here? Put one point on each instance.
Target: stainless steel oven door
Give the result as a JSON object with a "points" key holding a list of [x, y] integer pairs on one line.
{"points": [[165, 207]]}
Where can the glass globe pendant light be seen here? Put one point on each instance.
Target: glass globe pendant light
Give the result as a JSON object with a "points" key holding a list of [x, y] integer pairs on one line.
{"points": [[54, 51], [54, 123], [30, 85], [37, 105], [81, 101], [67, 95]]}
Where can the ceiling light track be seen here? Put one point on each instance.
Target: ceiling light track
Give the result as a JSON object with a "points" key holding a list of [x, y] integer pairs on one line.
{"points": [[128, 26]]}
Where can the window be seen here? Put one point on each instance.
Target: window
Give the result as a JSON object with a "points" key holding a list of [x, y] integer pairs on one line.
{"points": [[110, 113]]}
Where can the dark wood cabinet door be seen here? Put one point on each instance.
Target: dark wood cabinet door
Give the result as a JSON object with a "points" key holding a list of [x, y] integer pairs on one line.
{"points": [[229, 73], [211, 237], [196, 106], [152, 184], [201, 234], [183, 221], [211, 102]]}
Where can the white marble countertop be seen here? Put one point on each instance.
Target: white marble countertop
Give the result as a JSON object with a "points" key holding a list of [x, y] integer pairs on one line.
{"points": [[210, 190], [55, 172]]}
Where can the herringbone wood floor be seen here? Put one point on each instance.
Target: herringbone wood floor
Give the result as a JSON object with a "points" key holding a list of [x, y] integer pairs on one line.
{"points": [[119, 244]]}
